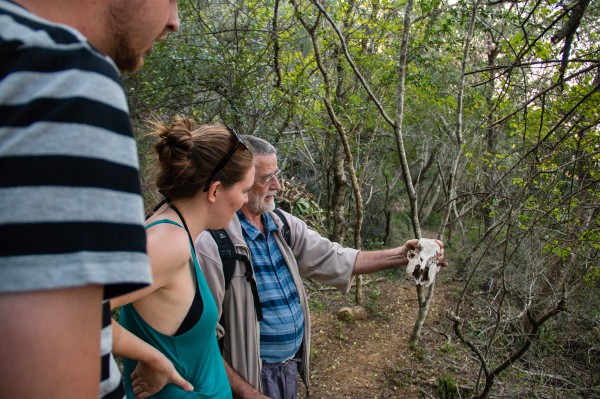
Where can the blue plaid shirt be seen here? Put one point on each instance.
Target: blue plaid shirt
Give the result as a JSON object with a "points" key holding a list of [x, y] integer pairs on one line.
{"points": [[282, 327]]}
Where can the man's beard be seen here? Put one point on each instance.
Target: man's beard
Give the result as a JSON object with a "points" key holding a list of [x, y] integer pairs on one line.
{"points": [[124, 56], [259, 205], [269, 206]]}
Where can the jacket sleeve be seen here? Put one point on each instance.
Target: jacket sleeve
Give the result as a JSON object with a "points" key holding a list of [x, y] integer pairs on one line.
{"points": [[318, 258], [209, 259]]}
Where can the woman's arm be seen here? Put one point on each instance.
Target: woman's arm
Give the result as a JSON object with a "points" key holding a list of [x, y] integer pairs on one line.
{"points": [[153, 370], [169, 252]]}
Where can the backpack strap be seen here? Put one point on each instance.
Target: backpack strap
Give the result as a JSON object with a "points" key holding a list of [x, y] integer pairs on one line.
{"points": [[226, 252], [228, 257], [287, 235]]}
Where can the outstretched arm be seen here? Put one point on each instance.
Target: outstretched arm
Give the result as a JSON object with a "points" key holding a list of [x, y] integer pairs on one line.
{"points": [[374, 261]]}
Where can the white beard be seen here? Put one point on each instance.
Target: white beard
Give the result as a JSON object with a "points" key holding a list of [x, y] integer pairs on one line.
{"points": [[269, 206]]}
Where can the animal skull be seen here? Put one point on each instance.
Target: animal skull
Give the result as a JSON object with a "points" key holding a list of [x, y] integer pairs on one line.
{"points": [[422, 262]]}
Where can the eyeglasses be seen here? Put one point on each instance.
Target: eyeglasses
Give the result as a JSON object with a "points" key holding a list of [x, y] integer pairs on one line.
{"points": [[238, 142], [269, 178]]}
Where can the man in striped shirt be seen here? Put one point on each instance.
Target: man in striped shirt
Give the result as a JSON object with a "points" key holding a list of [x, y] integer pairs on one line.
{"points": [[71, 226]]}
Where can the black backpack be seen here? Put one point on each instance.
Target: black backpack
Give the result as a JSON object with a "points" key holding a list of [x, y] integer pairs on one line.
{"points": [[229, 257]]}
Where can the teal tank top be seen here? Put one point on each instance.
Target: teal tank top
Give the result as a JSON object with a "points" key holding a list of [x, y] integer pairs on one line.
{"points": [[195, 353]]}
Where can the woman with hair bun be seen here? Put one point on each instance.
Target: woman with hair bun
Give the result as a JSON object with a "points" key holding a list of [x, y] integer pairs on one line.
{"points": [[205, 174]]}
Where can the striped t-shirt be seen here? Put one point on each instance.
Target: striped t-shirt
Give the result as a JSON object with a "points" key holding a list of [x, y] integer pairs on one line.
{"points": [[282, 327], [70, 193]]}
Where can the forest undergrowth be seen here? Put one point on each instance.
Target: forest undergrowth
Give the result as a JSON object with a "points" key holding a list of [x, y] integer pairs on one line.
{"points": [[371, 358]]}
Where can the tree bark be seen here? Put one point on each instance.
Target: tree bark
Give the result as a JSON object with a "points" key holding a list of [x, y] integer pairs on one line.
{"points": [[338, 196]]}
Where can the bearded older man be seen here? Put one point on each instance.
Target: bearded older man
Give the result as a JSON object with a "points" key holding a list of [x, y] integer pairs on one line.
{"points": [[266, 340]]}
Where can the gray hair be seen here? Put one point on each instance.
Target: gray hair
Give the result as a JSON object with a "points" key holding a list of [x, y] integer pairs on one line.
{"points": [[258, 146]]}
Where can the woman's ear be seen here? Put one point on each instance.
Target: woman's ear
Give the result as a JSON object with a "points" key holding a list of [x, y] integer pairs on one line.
{"points": [[213, 191]]}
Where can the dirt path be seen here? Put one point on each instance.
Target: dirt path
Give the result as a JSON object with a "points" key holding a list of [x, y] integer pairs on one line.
{"points": [[369, 359]]}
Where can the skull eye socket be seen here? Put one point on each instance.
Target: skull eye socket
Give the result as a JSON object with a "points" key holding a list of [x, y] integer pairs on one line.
{"points": [[417, 273]]}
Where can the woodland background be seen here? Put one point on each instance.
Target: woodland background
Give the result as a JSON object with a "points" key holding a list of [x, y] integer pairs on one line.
{"points": [[475, 121]]}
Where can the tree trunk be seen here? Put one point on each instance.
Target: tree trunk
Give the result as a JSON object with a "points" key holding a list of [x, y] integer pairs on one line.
{"points": [[339, 194], [491, 141], [327, 100], [458, 136]]}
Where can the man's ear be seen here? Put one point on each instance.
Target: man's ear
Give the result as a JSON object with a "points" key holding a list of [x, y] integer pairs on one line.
{"points": [[214, 190]]}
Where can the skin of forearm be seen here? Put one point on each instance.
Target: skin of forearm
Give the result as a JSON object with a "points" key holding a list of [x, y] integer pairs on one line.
{"points": [[240, 388], [126, 344], [374, 261]]}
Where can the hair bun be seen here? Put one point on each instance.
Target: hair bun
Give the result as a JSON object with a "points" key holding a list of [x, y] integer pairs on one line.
{"points": [[179, 134], [175, 141]]}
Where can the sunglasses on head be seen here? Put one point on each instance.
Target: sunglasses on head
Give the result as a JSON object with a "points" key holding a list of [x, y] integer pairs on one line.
{"points": [[223, 162]]}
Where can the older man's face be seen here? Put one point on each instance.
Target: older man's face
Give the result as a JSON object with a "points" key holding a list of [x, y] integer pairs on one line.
{"points": [[261, 197]]}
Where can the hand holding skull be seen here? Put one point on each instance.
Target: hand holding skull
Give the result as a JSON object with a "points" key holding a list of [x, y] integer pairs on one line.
{"points": [[424, 261]]}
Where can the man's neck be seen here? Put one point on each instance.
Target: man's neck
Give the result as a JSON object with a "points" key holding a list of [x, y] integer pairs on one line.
{"points": [[254, 218], [81, 15]]}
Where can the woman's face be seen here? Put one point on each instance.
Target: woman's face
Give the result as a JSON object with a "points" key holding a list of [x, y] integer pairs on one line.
{"points": [[232, 199]]}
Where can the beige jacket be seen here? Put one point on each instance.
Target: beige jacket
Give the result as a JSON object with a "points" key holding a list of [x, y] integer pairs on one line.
{"points": [[309, 255]]}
